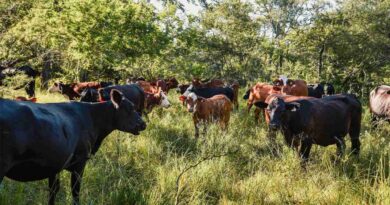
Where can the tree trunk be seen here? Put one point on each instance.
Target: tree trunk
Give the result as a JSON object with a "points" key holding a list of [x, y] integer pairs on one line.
{"points": [[320, 61], [46, 70]]}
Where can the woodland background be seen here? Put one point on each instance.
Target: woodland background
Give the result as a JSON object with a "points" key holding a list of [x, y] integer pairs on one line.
{"points": [[346, 42]]}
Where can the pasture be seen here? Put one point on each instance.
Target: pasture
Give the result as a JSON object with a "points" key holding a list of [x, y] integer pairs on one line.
{"points": [[167, 165]]}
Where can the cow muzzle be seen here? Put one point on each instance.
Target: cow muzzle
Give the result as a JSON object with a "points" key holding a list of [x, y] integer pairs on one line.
{"points": [[273, 126]]}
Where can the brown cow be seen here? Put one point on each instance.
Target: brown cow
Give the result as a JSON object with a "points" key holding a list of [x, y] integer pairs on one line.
{"points": [[206, 110], [261, 91], [380, 103]]}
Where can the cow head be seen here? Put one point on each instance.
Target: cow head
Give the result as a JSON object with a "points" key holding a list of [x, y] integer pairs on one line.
{"points": [[126, 118], [164, 102], [56, 87], [172, 83], [277, 110], [192, 100], [159, 98], [247, 93]]}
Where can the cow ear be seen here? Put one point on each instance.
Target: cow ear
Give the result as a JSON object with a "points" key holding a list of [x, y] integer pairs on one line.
{"points": [[293, 106], [116, 98], [261, 104]]}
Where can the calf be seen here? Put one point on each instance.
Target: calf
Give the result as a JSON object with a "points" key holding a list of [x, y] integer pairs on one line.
{"points": [[323, 122], [380, 103], [38, 141], [206, 110]]}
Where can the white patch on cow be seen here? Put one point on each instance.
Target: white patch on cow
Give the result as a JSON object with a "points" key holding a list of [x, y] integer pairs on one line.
{"points": [[193, 96], [284, 79], [187, 92], [164, 100]]}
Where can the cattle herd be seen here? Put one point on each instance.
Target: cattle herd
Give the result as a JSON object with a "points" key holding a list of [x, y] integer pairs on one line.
{"points": [[40, 140]]}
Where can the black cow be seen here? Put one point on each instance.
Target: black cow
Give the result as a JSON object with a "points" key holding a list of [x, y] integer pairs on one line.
{"points": [[210, 92], [132, 92], [28, 71], [323, 121], [315, 90], [38, 141]]}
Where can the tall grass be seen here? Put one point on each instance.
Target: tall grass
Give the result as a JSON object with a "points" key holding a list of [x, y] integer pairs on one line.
{"points": [[236, 167]]}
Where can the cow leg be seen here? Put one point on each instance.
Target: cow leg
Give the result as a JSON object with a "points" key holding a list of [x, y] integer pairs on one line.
{"points": [[374, 121], [196, 130], [76, 177], [304, 152], [340, 142], [54, 186], [257, 114]]}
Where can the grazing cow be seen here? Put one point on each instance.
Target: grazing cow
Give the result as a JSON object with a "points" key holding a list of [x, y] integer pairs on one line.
{"points": [[132, 92], [28, 71], [210, 92], [21, 98], [38, 141], [206, 110], [236, 87], [315, 90], [380, 103], [323, 121], [214, 83]]}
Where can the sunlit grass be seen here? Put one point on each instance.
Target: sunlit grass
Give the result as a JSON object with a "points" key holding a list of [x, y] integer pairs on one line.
{"points": [[144, 169]]}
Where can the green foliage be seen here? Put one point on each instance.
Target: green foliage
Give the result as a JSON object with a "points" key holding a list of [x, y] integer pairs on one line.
{"points": [[346, 42]]}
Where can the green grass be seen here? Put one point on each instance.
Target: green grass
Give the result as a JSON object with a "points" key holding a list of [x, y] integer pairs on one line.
{"points": [[144, 169]]}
